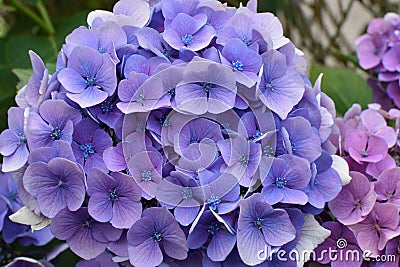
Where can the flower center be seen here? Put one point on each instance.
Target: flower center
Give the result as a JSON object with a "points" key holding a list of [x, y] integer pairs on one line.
{"points": [[257, 134], [187, 39], [213, 201], [146, 176], [157, 237], [245, 41], [112, 195], [280, 182], [237, 65], [106, 107], [87, 224], [293, 147], [187, 193], [364, 154], [194, 140], [357, 203], [213, 228], [101, 50], [22, 139], [171, 92], [60, 183], [389, 195], [90, 81], [268, 151], [244, 159], [55, 133], [258, 223], [269, 87], [207, 88], [141, 98], [87, 150]]}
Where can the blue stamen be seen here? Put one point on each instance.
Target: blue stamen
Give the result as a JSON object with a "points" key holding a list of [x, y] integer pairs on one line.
{"points": [[112, 195], [101, 50], [187, 193], [106, 107], [364, 154], [146, 176], [269, 87], [213, 201], [280, 182], [22, 139], [257, 134], [90, 81], [246, 42], [237, 65], [194, 140], [157, 237], [87, 224], [171, 92], [187, 39], [244, 159], [257, 223], [55, 133], [87, 150], [213, 228]]}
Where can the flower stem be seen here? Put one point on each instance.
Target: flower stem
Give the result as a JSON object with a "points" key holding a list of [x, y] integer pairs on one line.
{"points": [[44, 22]]}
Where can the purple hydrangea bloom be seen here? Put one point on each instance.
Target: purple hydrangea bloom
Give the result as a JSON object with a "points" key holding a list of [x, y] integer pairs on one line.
{"points": [[89, 144], [145, 167], [55, 121], [245, 62], [13, 144], [189, 32], [140, 64], [23, 234], [300, 139], [89, 77], [107, 112], [155, 233], [259, 225], [182, 192], [370, 51], [325, 183], [207, 87], [387, 187], [381, 225], [86, 237], [105, 39], [355, 201], [242, 158], [209, 228], [238, 27], [221, 191], [114, 198], [391, 58], [280, 88], [364, 148], [56, 185], [37, 88], [287, 180]]}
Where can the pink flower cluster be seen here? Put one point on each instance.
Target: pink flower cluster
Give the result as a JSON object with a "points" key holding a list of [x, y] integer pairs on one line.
{"points": [[367, 209], [378, 51]]}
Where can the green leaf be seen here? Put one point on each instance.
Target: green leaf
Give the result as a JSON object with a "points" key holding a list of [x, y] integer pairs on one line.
{"points": [[17, 48], [23, 76], [344, 86]]}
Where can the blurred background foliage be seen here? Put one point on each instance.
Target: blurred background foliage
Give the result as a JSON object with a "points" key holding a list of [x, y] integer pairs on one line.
{"points": [[324, 29]]}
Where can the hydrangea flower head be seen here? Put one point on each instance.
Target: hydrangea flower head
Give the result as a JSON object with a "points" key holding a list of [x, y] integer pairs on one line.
{"points": [[166, 133]]}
